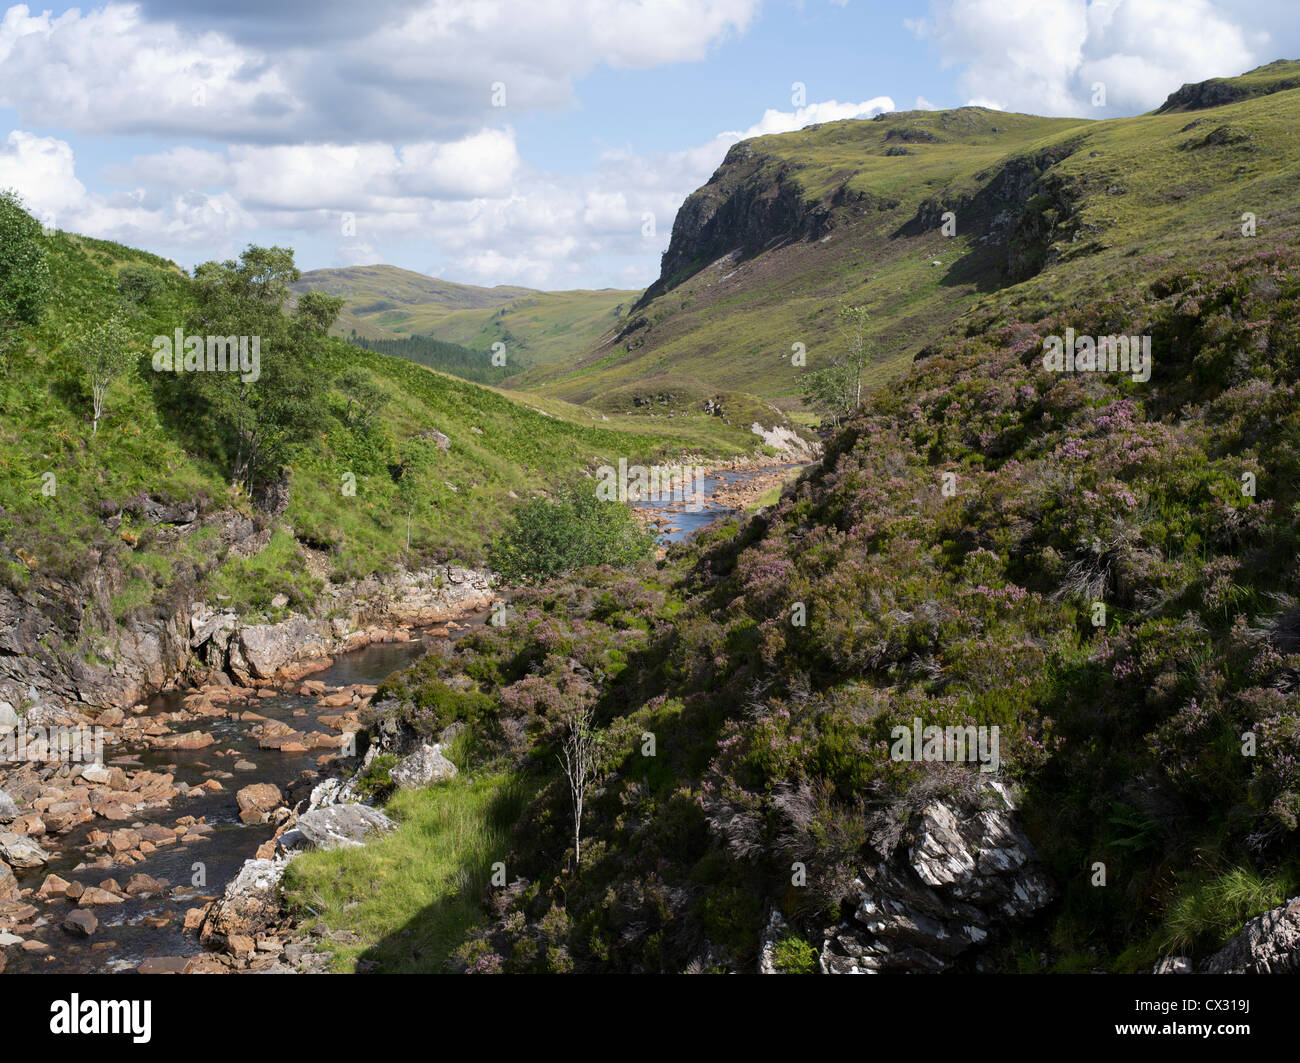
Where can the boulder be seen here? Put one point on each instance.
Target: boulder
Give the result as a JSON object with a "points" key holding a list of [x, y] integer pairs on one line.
{"points": [[1268, 944], [341, 826], [8, 808], [21, 852], [424, 767], [260, 797], [954, 875], [249, 905], [80, 923], [8, 884]]}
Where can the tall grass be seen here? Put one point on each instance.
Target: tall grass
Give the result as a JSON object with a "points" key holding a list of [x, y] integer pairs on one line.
{"points": [[407, 900]]}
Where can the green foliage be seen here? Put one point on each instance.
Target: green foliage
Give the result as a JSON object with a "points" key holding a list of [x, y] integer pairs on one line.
{"points": [[24, 272], [1212, 909], [105, 353], [574, 529], [794, 955]]}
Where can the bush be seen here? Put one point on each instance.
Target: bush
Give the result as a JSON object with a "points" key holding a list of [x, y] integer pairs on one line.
{"points": [[553, 536]]}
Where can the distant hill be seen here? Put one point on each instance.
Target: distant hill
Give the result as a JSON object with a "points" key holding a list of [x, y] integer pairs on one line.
{"points": [[386, 303], [793, 225]]}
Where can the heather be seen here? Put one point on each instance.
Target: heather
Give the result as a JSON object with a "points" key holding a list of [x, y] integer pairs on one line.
{"points": [[768, 661]]}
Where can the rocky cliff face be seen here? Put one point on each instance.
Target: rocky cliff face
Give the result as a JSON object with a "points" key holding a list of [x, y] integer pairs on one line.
{"points": [[943, 887], [47, 625], [751, 203]]}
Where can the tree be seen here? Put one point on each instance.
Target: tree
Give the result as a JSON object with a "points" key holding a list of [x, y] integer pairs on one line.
{"points": [[836, 389], [414, 477], [579, 742], [553, 536], [24, 272], [259, 420], [106, 352], [138, 285], [364, 399]]}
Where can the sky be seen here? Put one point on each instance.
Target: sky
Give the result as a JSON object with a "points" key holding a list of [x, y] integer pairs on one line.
{"points": [[545, 143]]}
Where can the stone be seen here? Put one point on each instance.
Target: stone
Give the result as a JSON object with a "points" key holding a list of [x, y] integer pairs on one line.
{"points": [[164, 965], [52, 887], [954, 875], [8, 808], [1173, 965], [261, 797], [1267, 944], [342, 826], [188, 740], [21, 852], [8, 884], [141, 885], [96, 895], [80, 924], [424, 767], [249, 905]]}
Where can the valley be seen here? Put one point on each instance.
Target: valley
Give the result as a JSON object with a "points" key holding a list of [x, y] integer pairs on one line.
{"points": [[389, 686]]}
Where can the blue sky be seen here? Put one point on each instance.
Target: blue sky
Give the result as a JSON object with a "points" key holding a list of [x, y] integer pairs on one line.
{"points": [[363, 134]]}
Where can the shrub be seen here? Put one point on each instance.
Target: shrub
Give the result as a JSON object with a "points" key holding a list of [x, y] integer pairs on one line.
{"points": [[574, 529]]}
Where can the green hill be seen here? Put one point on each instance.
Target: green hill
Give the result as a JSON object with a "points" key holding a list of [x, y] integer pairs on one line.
{"points": [[385, 302], [792, 225], [73, 501]]}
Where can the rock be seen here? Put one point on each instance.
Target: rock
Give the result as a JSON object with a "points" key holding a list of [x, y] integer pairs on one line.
{"points": [[279, 601], [8, 808], [189, 740], [8, 941], [424, 767], [8, 884], [952, 877], [52, 887], [244, 765], [772, 934], [1268, 944], [141, 885], [1173, 965], [97, 774], [97, 895], [262, 797], [164, 965], [80, 924], [21, 852], [343, 826], [249, 905]]}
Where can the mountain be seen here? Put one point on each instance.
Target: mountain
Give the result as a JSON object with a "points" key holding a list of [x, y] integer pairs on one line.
{"points": [[1097, 571], [385, 302], [793, 225]]}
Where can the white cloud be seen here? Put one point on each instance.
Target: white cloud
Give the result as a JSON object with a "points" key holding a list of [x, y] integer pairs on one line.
{"points": [[411, 72], [1044, 56]]}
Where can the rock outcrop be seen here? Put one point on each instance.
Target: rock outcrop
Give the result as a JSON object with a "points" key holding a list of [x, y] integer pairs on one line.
{"points": [[956, 876], [1268, 944], [250, 904], [424, 767]]}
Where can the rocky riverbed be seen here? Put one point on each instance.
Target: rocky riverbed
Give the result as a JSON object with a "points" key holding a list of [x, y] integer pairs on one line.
{"points": [[122, 821]]}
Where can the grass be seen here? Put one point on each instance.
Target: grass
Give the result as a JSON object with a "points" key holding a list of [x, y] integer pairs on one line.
{"points": [[1129, 192], [1212, 909], [407, 900]]}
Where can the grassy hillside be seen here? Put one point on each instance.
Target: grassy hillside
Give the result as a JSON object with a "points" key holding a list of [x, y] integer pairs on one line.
{"points": [[73, 503], [385, 302], [772, 739], [795, 224]]}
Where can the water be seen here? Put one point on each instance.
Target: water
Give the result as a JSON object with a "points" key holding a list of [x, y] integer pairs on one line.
{"points": [[684, 523], [124, 938]]}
